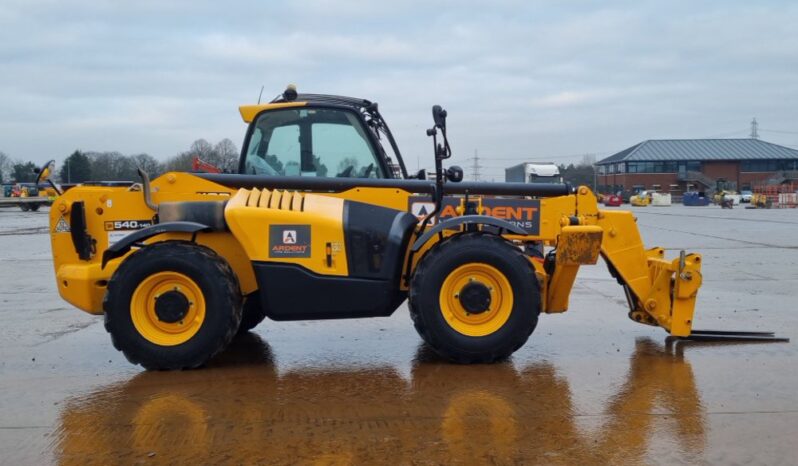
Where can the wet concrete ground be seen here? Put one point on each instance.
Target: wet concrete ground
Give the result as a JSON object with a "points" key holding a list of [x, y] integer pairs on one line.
{"points": [[589, 387]]}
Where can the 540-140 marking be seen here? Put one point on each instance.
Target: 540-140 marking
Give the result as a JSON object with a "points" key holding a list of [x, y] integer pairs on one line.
{"points": [[127, 225]]}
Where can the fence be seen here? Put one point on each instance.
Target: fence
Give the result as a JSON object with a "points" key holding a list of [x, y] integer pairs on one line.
{"points": [[783, 195]]}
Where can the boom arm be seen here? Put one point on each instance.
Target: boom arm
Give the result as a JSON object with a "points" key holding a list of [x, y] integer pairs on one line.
{"points": [[660, 292]]}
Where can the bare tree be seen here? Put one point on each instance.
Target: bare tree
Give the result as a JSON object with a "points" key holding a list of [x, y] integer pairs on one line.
{"points": [[181, 162], [5, 166], [148, 163], [227, 152]]}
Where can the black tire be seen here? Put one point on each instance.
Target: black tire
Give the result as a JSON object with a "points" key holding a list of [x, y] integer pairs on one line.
{"points": [[253, 313], [435, 267], [34, 207], [216, 281], [24, 207]]}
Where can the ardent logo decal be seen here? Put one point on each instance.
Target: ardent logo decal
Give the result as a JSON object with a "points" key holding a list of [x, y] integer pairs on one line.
{"points": [[289, 237], [524, 213], [289, 241], [422, 209]]}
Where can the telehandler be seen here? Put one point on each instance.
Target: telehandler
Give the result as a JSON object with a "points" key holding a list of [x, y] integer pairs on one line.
{"points": [[324, 222]]}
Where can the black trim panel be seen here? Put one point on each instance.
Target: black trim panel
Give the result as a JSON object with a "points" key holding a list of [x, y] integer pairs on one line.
{"points": [[467, 219], [121, 247], [284, 293], [209, 213], [81, 239], [376, 240], [308, 183]]}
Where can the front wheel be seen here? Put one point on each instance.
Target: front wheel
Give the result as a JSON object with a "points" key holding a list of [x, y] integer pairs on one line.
{"points": [[172, 305], [474, 298]]}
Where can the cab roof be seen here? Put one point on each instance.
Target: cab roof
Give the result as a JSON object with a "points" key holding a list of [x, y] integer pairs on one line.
{"points": [[248, 112]]}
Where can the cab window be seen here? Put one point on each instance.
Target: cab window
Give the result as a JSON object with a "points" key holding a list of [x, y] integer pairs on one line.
{"points": [[311, 142]]}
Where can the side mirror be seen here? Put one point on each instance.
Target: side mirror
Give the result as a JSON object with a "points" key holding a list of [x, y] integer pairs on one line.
{"points": [[439, 116], [454, 174], [44, 172]]}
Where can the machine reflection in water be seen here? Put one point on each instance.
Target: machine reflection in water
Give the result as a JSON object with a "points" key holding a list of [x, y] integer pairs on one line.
{"points": [[240, 410]]}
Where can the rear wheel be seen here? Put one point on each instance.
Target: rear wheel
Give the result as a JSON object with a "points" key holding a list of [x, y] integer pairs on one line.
{"points": [[474, 298], [34, 207], [172, 305], [24, 207]]}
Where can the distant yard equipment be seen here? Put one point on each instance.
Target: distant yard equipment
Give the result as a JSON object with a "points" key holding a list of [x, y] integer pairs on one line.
{"points": [[781, 195], [29, 196], [645, 198], [695, 198], [660, 199], [180, 265], [612, 200], [201, 166], [760, 201], [533, 172], [727, 199], [640, 199]]}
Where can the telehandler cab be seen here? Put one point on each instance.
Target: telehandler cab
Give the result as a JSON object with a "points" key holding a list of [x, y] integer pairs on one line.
{"points": [[323, 222]]}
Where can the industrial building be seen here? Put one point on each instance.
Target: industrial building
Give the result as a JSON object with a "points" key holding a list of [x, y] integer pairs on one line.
{"points": [[678, 165]]}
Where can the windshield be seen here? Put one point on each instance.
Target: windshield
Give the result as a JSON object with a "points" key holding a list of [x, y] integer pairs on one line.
{"points": [[544, 179], [311, 142]]}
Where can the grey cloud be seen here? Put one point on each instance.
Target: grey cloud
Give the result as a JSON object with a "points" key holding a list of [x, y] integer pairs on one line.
{"points": [[543, 80]]}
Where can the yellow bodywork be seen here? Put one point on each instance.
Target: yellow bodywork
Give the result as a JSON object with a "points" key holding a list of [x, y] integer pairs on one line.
{"points": [[249, 211], [249, 112], [640, 200], [661, 292]]}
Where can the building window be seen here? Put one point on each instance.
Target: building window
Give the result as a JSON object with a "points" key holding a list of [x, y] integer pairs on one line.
{"points": [[674, 188], [656, 187], [768, 165], [662, 167], [690, 166], [656, 167]]}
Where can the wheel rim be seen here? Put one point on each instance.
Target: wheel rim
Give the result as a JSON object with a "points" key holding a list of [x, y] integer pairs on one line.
{"points": [[496, 311], [150, 318]]}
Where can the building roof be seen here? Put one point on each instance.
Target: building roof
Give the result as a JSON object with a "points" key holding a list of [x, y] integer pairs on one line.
{"points": [[702, 149]]}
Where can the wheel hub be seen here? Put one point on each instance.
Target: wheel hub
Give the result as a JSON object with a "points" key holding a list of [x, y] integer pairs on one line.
{"points": [[171, 306], [475, 297]]}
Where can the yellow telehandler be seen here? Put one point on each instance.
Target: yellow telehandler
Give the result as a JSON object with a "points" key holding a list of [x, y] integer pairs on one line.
{"points": [[324, 222]]}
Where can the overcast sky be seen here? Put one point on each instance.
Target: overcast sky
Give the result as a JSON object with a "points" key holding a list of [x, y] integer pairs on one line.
{"points": [[521, 79]]}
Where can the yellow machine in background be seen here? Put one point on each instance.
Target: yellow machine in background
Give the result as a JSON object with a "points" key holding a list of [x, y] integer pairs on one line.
{"points": [[321, 223], [641, 199], [760, 201]]}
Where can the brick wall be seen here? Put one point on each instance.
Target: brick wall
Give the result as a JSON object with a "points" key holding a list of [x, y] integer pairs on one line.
{"points": [[753, 178], [726, 170]]}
